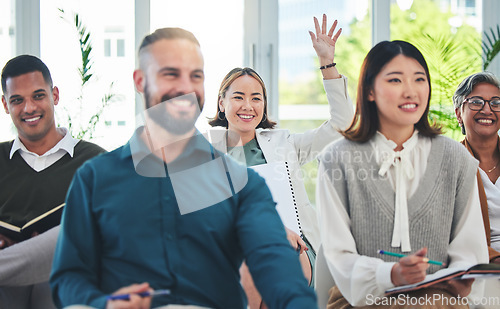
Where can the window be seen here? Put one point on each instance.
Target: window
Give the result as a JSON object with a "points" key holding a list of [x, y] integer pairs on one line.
{"points": [[220, 36], [7, 30], [120, 48], [107, 48], [113, 63], [114, 42], [302, 100]]}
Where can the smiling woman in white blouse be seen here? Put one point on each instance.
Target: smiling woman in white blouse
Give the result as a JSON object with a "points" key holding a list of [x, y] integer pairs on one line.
{"points": [[249, 135], [394, 184], [477, 106]]}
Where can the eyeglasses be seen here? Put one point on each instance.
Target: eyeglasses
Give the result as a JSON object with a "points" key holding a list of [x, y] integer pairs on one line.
{"points": [[477, 103]]}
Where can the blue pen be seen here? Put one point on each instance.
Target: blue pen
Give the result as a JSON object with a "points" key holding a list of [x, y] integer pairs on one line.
{"points": [[141, 294], [402, 255]]}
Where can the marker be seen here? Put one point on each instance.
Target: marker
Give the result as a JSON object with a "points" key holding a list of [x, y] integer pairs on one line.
{"points": [[141, 294], [402, 255]]}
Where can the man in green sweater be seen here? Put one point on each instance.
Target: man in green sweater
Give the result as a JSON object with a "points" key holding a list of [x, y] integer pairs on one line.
{"points": [[36, 169]]}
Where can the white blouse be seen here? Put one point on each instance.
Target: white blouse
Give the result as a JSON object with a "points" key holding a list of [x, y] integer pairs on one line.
{"points": [[358, 276], [492, 191]]}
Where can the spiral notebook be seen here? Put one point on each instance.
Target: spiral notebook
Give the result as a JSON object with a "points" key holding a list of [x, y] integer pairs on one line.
{"points": [[277, 176]]}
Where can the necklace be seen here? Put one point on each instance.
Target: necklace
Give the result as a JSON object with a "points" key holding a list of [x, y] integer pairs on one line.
{"points": [[494, 167]]}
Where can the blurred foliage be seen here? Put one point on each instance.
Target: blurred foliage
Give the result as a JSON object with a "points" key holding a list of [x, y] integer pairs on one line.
{"points": [[490, 46], [305, 92], [451, 53], [449, 62]]}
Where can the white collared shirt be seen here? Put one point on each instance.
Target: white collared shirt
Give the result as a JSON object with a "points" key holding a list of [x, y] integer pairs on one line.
{"points": [[40, 162]]}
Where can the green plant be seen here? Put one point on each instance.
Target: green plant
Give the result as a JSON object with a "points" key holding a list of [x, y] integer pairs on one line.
{"points": [[446, 56], [83, 127], [490, 46]]}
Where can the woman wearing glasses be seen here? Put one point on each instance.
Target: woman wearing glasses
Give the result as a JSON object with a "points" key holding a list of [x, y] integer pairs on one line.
{"points": [[477, 106]]}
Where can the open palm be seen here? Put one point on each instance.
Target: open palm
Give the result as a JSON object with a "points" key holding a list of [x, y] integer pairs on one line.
{"points": [[323, 43]]}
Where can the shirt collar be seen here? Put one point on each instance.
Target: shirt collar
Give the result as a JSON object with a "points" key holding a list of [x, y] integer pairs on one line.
{"points": [[138, 150], [389, 145], [67, 143]]}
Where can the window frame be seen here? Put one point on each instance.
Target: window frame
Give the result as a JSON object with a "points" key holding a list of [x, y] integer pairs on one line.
{"points": [[260, 35]]}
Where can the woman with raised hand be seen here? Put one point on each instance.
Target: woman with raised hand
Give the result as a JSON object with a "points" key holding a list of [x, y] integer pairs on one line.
{"points": [[394, 184], [250, 135], [477, 106]]}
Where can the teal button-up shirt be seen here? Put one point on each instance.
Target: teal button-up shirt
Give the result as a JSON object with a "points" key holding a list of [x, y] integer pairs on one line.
{"points": [[185, 226]]}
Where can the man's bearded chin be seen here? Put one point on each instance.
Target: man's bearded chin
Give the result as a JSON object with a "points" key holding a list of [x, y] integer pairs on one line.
{"points": [[162, 117]]}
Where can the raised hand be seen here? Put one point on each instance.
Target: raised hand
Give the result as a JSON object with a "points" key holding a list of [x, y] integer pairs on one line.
{"points": [[323, 43]]}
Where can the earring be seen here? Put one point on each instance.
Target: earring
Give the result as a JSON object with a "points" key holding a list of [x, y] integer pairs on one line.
{"points": [[462, 127], [264, 118], [219, 115]]}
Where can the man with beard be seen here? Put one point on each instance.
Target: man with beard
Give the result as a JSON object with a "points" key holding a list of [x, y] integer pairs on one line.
{"points": [[168, 214]]}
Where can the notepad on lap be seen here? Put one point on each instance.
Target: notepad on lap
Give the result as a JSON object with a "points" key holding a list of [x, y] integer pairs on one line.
{"points": [[277, 176], [475, 272], [40, 224]]}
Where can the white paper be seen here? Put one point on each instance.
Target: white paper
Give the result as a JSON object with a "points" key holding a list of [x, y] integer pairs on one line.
{"points": [[278, 181]]}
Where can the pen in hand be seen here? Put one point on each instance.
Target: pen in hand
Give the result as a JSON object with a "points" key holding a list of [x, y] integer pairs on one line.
{"points": [[141, 294], [402, 255]]}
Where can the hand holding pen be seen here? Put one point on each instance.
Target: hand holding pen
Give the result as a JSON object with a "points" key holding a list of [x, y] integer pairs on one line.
{"points": [[133, 296], [426, 260], [410, 269], [141, 294]]}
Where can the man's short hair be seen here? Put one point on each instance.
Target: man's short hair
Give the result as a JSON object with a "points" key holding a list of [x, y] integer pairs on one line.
{"points": [[166, 34], [24, 64]]}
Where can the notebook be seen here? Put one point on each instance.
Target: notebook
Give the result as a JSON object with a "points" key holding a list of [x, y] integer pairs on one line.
{"points": [[40, 224], [277, 176], [475, 272]]}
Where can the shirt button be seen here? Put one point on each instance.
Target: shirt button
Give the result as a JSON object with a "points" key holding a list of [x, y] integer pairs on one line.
{"points": [[170, 236]]}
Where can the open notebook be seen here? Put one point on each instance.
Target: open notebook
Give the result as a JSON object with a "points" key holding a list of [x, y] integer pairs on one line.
{"points": [[475, 272], [40, 224]]}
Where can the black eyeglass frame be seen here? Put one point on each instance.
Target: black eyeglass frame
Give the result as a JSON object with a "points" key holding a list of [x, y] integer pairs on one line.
{"points": [[497, 108]]}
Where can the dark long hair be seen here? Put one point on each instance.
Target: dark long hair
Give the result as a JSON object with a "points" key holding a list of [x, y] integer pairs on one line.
{"points": [[366, 122], [224, 86]]}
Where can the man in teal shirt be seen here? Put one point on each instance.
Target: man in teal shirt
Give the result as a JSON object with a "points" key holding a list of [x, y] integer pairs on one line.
{"points": [[167, 211]]}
